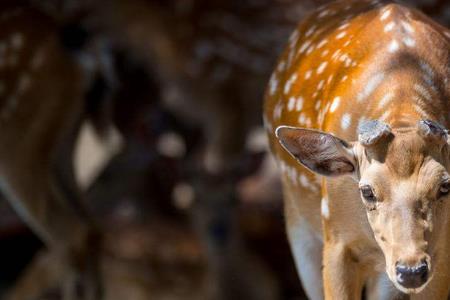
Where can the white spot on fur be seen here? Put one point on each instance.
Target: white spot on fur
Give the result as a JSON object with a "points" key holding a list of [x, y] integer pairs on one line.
{"points": [[393, 46], [273, 84], [407, 27], [330, 78], [320, 85], [304, 46], [324, 13], [346, 121], [293, 38], [348, 62], [385, 15], [310, 49], [277, 111], [308, 74], [389, 27], [336, 54], [324, 208], [322, 43], [299, 104], [310, 31], [343, 26], [335, 104], [341, 35], [302, 118], [322, 67], [291, 104], [317, 106], [289, 83], [410, 42], [281, 66]]}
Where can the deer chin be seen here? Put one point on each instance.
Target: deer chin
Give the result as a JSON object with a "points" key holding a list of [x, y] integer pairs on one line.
{"points": [[410, 291]]}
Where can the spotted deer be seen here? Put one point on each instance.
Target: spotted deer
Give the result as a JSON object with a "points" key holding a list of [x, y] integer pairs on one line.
{"points": [[360, 98], [43, 79]]}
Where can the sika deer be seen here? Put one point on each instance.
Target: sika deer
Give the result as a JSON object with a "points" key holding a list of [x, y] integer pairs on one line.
{"points": [[360, 96], [42, 88]]}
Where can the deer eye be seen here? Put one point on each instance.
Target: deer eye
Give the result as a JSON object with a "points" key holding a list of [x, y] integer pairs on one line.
{"points": [[367, 193], [444, 189]]}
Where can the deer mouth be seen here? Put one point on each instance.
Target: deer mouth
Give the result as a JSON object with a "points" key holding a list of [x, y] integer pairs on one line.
{"points": [[415, 290]]}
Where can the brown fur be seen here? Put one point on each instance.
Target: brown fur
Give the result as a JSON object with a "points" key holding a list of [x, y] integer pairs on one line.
{"points": [[353, 61]]}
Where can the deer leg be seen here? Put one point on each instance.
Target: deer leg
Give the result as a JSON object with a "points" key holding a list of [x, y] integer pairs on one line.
{"points": [[65, 177], [379, 287], [32, 190], [307, 251], [342, 276], [305, 241], [42, 273]]}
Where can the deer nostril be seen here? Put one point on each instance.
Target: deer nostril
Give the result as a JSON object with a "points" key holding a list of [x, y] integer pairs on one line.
{"points": [[412, 277]]}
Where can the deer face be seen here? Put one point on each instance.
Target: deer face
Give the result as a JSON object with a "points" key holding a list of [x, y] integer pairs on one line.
{"points": [[404, 184]]}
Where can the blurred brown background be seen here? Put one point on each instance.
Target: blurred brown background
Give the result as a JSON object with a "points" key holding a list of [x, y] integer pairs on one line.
{"points": [[173, 158]]}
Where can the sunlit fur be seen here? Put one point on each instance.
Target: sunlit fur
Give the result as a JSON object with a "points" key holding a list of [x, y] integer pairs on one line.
{"points": [[348, 62], [409, 222]]}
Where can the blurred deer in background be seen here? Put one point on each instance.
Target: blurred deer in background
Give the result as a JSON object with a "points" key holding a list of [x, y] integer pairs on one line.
{"points": [[376, 75], [212, 60], [45, 71]]}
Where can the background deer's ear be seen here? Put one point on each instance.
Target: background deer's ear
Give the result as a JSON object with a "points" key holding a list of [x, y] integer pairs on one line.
{"points": [[320, 152]]}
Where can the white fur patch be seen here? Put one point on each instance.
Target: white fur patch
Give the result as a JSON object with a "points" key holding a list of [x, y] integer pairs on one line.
{"points": [[346, 121], [307, 246], [335, 104], [393, 46], [324, 208]]}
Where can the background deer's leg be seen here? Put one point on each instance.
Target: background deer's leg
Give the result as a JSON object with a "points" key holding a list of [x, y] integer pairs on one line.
{"points": [[234, 271], [65, 178], [43, 273], [32, 191]]}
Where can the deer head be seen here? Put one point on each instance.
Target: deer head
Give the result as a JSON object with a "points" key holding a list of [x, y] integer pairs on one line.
{"points": [[404, 183]]}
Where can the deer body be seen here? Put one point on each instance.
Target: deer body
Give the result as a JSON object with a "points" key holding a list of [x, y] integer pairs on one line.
{"points": [[42, 89], [347, 63]]}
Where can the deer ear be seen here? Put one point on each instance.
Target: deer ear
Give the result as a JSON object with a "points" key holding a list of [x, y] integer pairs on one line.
{"points": [[320, 152]]}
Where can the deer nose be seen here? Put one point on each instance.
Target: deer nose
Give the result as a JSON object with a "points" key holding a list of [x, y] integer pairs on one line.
{"points": [[412, 277]]}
